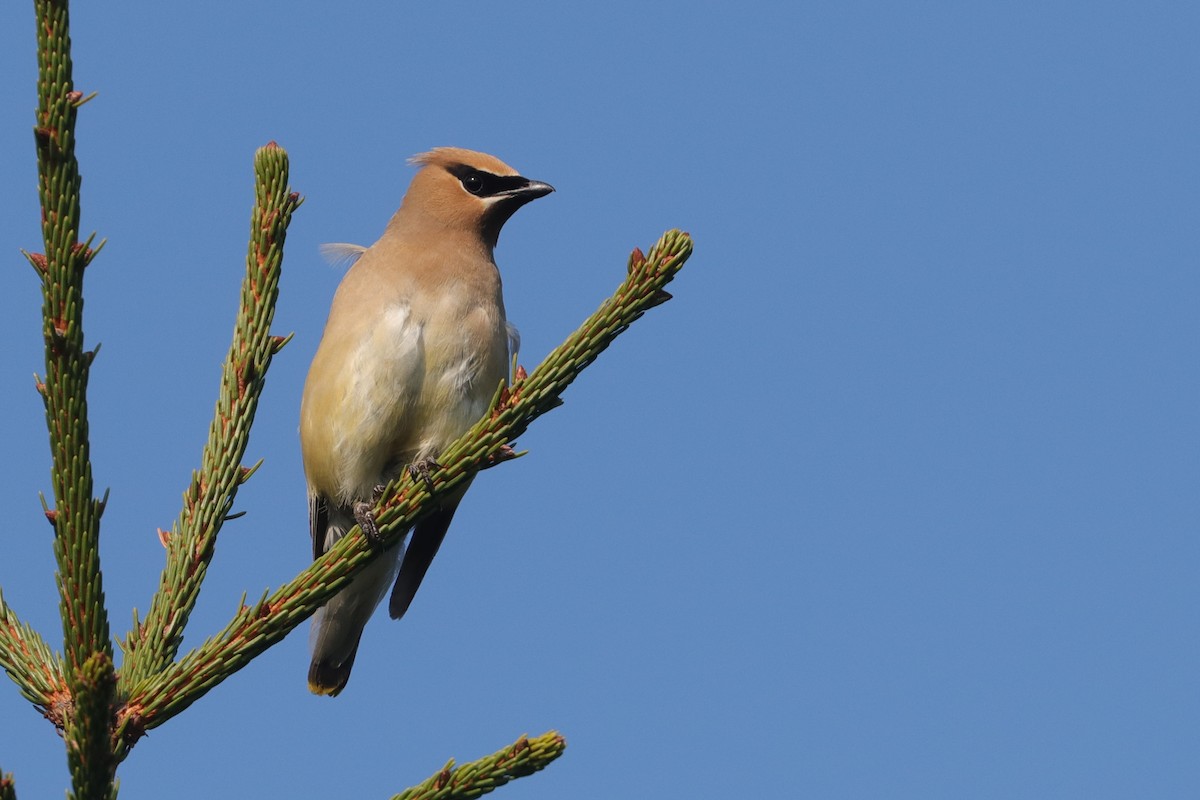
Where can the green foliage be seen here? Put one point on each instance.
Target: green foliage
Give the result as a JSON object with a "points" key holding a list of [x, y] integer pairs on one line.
{"points": [[102, 711], [524, 757]]}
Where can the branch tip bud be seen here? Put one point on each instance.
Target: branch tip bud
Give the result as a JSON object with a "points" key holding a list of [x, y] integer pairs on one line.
{"points": [[636, 259], [279, 342], [37, 261]]}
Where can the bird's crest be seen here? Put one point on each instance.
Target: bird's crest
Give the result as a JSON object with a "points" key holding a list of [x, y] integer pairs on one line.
{"points": [[454, 156]]}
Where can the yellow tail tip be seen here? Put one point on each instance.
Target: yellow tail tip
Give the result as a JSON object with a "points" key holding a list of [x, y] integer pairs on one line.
{"points": [[323, 689], [329, 679]]}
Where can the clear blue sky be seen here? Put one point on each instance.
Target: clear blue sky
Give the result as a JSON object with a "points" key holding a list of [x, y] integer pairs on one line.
{"points": [[897, 498]]}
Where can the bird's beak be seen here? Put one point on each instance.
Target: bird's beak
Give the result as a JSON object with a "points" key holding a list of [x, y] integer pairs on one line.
{"points": [[532, 190], [503, 205]]}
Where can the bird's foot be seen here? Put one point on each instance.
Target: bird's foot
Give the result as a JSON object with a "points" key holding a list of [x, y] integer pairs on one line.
{"points": [[365, 518], [420, 470]]}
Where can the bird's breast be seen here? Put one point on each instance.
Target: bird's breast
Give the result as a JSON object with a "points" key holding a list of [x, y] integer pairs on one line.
{"points": [[417, 377], [466, 353]]}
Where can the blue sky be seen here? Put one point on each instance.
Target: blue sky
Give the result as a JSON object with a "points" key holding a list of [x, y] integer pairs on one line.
{"points": [[897, 498]]}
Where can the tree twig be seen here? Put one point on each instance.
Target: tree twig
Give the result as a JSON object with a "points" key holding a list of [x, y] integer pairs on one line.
{"points": [[153, 643], [31, 664], [524, 757], [76, 512]]}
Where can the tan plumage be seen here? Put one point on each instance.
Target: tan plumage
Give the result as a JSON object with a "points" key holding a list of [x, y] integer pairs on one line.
{"points": [[415, 346]]}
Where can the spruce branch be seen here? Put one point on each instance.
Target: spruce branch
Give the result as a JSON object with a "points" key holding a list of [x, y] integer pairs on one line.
{"points": [[259, 626], [209, 498], [89, 739], [33, 667], [76, 513], [8, 789], [524, 757]]}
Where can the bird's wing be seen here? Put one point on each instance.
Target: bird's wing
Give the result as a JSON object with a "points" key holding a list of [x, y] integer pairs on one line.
{"points": [[318, 521], [427, 537], [514, 340], [514, 347]]}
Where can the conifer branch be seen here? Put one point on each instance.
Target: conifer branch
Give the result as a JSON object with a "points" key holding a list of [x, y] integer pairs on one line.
{"points": [[89, 742], [259, 626], [209, 498], [33, 667], [76, 513], [524, 757]]}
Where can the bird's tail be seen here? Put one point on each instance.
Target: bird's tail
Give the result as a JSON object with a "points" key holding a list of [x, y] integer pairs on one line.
{"points": [[337, 628], [328, 677]]}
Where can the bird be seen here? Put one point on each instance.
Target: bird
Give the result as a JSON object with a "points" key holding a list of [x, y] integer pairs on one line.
{"points": [[414, 348]]}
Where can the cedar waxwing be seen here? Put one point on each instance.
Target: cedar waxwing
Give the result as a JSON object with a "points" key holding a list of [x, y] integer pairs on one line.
{"points": [[413, 351]]}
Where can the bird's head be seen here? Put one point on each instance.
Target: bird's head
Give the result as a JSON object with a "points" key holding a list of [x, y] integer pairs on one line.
{"points": [[469, 191]]}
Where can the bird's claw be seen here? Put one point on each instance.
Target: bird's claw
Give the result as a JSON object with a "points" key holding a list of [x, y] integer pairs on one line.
{"points": [[366, 521], [420, 470]]}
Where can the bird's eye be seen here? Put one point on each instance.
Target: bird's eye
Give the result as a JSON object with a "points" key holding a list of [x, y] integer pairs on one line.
{"points": [[473, 183]]}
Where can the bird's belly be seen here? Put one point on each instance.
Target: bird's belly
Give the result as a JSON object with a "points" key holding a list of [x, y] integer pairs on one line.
{"points": [[435, 382], [463, 371]]}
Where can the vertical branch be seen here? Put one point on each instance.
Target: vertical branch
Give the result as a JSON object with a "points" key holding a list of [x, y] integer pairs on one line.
{"points": [[89, 749], [76, 513], [208, 500]]}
